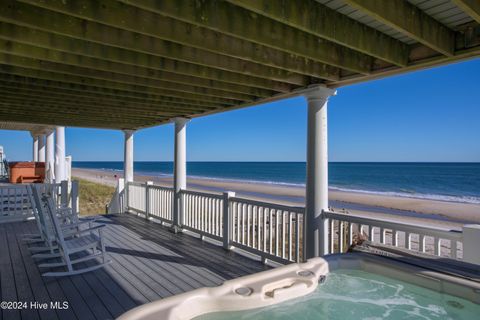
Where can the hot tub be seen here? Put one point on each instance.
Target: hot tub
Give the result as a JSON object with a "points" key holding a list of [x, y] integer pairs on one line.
{"points": [[347, 286]]}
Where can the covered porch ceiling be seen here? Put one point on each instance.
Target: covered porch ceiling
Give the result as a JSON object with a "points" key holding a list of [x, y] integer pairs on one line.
{"points": [[35, 129], [130, 64]]}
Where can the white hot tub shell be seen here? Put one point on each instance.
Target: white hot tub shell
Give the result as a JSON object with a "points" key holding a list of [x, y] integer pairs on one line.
{"points": [[293, 281]]}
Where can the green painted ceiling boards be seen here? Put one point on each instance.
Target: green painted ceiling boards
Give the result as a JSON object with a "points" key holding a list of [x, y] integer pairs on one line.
{"points": [[129, 64]]}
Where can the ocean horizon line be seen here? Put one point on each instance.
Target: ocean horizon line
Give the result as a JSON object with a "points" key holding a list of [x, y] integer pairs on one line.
{"points": [[256, 161]]}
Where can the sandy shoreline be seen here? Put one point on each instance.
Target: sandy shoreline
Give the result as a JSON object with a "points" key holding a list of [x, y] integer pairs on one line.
{"points": [[400, 208]]}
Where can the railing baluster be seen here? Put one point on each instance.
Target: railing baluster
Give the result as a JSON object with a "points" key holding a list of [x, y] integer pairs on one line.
{"points": [[192, 209], [350, 233], [254, 226], [284, 231], [189, 209], [264, 214], [249, 213], [421, 243], [437, 246], [239, 205], [453, 249], [206, 213], [243, 222], [193, 198], [217, 223], [201, 217], [371, 233], [332, 236], [210, 214], [297, 237], [270, 233], [290, 230], [259, 228], [340, 236], [408, 241], [382, 235], [395, 238], [277, 231], [199, 213], [213, 222]]}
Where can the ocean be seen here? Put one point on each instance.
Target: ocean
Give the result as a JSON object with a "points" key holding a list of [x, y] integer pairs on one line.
{"points": [[458, 182]]}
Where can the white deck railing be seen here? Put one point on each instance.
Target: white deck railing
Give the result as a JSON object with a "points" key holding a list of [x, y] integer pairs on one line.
{"points": [[202, 213], [15, 202], [431, 240], [277, 232], [136, 196], [271, 231], [118, 202], [160, 203]]}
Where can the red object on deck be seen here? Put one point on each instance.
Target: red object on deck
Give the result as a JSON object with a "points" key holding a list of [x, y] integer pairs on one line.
{"points": [[27, 172]]}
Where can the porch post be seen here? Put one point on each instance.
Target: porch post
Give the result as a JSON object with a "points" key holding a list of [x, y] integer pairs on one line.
{"points": [[41, 148], [317, 172], [60, 154], [50, 158], [128, 156], [35, 147], [180, 168]]}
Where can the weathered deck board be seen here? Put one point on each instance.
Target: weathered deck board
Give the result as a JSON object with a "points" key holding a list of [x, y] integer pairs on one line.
{"points": [[148, 263]]}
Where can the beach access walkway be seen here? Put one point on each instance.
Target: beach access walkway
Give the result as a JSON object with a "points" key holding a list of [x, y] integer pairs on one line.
{"points": [[148, 263]]}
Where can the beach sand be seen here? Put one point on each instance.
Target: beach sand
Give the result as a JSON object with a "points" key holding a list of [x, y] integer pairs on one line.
{"points": [[425, 212]]}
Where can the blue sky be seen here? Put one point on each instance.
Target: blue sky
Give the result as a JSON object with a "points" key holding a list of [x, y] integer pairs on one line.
{"points": [[430, 115]]}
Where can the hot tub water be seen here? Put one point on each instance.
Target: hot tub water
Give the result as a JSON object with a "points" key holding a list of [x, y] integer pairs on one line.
{"points": [[355, 294]]}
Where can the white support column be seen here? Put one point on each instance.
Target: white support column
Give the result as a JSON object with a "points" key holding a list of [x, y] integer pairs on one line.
{"points": [[41, 148], [60, 154], [180, 167], [35, 147], [50, 158], [128, 156], [317, 171]]}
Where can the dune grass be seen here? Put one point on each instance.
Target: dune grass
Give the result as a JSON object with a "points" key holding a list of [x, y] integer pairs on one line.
{"points": [[93, 197]]}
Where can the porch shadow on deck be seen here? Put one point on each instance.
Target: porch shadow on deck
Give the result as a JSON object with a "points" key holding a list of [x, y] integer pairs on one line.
{"points": [[148, 263]]}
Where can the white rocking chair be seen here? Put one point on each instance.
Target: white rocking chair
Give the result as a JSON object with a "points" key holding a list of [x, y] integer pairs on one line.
{"points": [[71, 241], [44, 243]]}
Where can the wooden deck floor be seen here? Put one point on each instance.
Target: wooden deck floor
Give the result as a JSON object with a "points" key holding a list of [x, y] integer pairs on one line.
{"points": [[148, 263]]}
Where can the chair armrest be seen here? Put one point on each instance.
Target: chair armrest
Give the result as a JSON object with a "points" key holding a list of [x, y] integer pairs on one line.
{"points": [[89, 219], [74, 225], [97, 227]]}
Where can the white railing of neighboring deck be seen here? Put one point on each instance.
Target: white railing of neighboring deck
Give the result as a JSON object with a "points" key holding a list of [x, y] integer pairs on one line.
{"points": [[431, 240], [277, 232], [15, 202]]}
